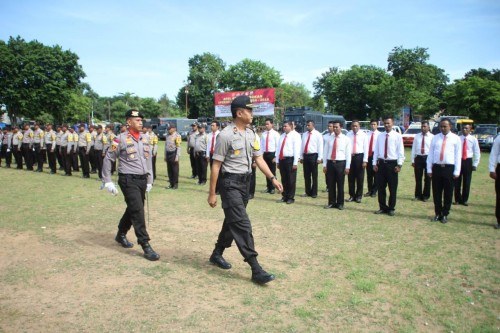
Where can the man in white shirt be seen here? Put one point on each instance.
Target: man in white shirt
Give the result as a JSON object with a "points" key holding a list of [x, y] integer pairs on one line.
{"points": [[336, 164], [269, 145], [371, 178], [311, 154], [359, 159], [494, 167], [419, 152], [471, 155], [388, 158], [212, 139], [287, 159], [443, 165]]}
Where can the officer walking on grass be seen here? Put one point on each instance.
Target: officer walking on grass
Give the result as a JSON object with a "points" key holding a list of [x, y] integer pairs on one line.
{"points": [[135, 177], [236, 146]]}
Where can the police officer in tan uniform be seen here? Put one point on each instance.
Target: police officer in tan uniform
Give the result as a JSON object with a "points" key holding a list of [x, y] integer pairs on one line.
{"points": [[200, 151], [38, 145], [101, 141], [7, 147], [66, 148], [190, 148], [84, 145], [50, 147], [172, 155], [27, 147], [135, 172], [17, 141], [236, 146], [59, 155]]}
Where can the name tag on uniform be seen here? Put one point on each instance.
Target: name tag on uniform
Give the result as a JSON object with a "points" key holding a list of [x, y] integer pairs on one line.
{"points": [[131, 150]]}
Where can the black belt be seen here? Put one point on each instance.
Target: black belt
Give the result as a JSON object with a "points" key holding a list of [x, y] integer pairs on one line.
{"points": [[286, 157], [336, 161], [421, 155], [142, 177], [171, 152], [381, 160], [239, 177], [200, 153], [310, 154], [357, 154], [444, 165]]}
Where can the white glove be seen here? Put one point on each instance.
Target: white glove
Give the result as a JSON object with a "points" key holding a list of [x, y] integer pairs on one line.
{"points": [[111, 188], [33, 148], [149, 187], [8, 150]]}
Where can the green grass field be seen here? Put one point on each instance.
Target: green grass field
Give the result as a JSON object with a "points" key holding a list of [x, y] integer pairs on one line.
{"points": [[337, 271]]}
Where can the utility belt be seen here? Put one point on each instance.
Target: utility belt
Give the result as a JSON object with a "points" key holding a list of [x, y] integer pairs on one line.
{"points": [[172, 152], [444, 165], [200, 153], [132, 176], [239, 177]]}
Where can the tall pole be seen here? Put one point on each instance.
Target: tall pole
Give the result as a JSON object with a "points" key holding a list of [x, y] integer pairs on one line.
{"points": [[186, 92]]}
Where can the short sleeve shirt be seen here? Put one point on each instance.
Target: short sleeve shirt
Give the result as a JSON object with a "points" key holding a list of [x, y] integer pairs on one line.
{"points": [[236, 149]]}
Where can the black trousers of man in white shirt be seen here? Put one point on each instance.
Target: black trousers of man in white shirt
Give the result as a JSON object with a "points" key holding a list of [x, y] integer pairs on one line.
{"points": [[462, 183], [371, 178], [268, 157], [310, 164], [442, 188], [356, 177], [336, 179], [387, 176], [288, 178], [421, 172]]}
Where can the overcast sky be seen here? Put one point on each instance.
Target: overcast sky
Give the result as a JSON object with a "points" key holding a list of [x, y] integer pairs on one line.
{"points": [[143, 47]]}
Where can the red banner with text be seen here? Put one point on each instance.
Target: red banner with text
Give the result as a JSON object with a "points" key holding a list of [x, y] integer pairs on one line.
{"points": [[263, 99]]}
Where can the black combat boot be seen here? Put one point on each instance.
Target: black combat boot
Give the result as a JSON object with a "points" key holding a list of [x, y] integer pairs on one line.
{"points": [[149, 253], [217, 259], [122, 239], [259, 275]]}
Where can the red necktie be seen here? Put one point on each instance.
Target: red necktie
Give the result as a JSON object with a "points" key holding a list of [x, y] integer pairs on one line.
{"points": [[370, 150], [307, 143], [354, 145], [441, 155], [282, 147], [464, 154], [386, 144], [213, 141], [267, 141], [334, 149], [422, 148]]}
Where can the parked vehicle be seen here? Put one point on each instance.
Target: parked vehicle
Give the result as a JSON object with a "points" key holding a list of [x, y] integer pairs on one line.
{"points": [[409, 134], [183, 126], [300, 115], [457, 123], [485, 135]]}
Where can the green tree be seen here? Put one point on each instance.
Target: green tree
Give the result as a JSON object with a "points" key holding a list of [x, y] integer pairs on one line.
{"points": [[35, 78], [250, 74], [150, 107], [118, 110], [477, 96], [421, 84], [78, 108], [295, 94], [204, 80]]}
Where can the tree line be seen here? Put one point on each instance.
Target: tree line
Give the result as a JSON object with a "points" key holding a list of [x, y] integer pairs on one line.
{"points": [[44, 83]]}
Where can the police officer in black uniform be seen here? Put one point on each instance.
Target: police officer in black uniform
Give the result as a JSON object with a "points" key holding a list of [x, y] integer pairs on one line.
{"points": [[133, 150], [236, 146]]}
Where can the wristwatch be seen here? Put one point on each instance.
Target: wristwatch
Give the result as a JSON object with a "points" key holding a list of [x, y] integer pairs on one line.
{"points": [[271, 179]]}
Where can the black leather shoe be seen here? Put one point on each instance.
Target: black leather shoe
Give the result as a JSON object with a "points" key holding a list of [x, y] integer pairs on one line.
{"points": [[290, 201], [272, 191], [262, 277], [444, 219], [351, 199], [391, 213], [219, 261], [250, 196], [465, 204], [456, 203], [374, 195], [436, 218], [425, 199], [330, 206], [358, 200], [340, 207], [281, 200], [367, 194], [121, 238], [149, 253], [497, 226], [265, 191], [380, 211]]}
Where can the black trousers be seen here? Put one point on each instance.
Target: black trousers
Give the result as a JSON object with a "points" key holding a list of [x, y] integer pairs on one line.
{"points": [[236, 226], [153, 163], [192, 159], [497, 191], [201, 167], [28, 156], [442, 188], [172, 168], [336, 179], [134, 190], [462, 183], [310, 164], [288, 178], [6, 155], [51, 158], [420, 171], [60, 159], [18, 156], [84, 161], [268, 158], [38, 156], [92, 159], [356, 177], [253, 181], [68, 160], [386, 176], [74, 159], [371, 177], [99, 159]]}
